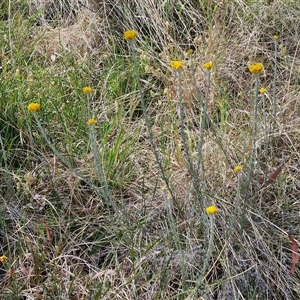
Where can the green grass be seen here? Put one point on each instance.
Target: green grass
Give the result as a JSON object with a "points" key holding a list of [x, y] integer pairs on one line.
{"points": [[152, 239]]}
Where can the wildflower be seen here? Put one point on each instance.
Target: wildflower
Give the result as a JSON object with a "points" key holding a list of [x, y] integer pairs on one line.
{"points": [[211, 210], [91, 122], [262, 90], [176, 64], [256, 68], [275, 37], [33, 107], [208, 65], [238, 169], [164, 188], [130, 35], [87, 89], [3, 258], [189, 52]]}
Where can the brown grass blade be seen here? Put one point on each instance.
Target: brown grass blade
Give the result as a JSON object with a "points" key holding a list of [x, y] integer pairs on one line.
{"points": [[295, 254], [272, 178]]}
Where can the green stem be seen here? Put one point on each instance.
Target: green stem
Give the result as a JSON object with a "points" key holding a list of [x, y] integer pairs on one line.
{"points": [[107, 196], [146, 118], [208, 253], [191, 168], [252, 155], [274, 84]]}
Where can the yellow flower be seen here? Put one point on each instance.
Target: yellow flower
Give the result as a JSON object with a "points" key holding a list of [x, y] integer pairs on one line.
{"points": [[276, 37], [262, 90], [33, 107], [211, 210], [176, 64], [130, 35], [164, 188], [87, 89], [256, 68], [238, 169], [91, 122], [3, 258], [208, 65], [189, 52]]}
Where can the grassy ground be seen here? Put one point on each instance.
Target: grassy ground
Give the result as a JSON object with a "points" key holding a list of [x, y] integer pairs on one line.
{"points": [[117, 210]]}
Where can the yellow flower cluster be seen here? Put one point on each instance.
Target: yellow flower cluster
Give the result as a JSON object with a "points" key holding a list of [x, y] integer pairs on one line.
{"points": [[92, 122], [176, 64], [256, 68], [211, 210], [130, 35], [208, 65], [276, 37], [33, 107], [262, 90], [87, 89], [3, 258], [238, 169]]}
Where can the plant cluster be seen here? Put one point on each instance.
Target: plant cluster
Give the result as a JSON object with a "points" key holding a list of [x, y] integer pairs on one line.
{"points": [[149, 150]]}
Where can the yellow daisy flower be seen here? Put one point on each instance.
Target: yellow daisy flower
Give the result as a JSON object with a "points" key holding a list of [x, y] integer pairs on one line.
{"points": [[238, 169], [256, 68], [130, 35], [208, 65], [3, 258], [176, 64], [33, 107], [262, 90], [87, 89], [91, 121], [211, 210]]}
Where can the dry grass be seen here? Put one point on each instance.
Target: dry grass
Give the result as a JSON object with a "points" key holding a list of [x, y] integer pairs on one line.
{"points": [[62, 242]]}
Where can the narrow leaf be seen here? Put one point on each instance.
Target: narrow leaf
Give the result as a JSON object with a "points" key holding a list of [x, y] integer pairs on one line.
{"points": [[272, 178], [295, 255]]}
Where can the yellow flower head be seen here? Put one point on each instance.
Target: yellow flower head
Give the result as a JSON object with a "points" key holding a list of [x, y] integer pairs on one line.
{"points": [[238, 169], [3, 258], [91, 122], [164, 188], [262, 90], [256, 68], [87, 89], [33, 107], [211, 210], [189, 52], [275, 37], [130, 35], [176, 64], [208, 65]]}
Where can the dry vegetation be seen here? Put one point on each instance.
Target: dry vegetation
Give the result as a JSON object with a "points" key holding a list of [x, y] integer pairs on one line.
{"points": [[61, 239]]}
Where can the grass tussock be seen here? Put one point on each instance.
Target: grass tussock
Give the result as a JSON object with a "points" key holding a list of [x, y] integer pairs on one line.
{"points": [[132, 177]]}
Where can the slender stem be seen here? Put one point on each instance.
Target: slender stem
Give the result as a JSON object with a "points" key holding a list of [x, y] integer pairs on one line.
{"points": [[252, 155], [254, 129], [107, 196], [274, 84], [175, 235], [191, 168], [203, 125], [145, 114], [266, 147], [208, 252]]}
